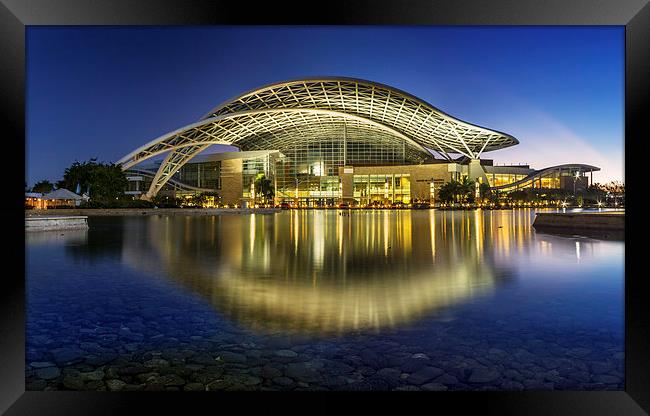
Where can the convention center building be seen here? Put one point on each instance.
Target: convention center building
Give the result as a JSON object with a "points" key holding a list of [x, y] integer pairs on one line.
{"points": [[327, 141]]}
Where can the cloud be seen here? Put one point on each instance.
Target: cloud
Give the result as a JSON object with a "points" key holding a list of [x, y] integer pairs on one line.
{"points": [[545, 141]]}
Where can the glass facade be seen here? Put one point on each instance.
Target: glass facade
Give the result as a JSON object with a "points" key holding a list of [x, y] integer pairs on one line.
{"points": [[498, 179], [201, 175], [308, 172], [382, 189], [558, 178], [252, 167]]}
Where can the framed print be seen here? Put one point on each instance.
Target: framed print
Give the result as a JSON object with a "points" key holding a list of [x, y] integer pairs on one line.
{"points": [[375, 203]]}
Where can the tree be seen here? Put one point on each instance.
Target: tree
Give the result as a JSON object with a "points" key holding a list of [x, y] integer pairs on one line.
{"points": [[519, 195], [211, 195], [448, 191], [105, 180], [163, 201], [43, 186], [466, 190], [457, 191], [198, 200], [263, 187]]}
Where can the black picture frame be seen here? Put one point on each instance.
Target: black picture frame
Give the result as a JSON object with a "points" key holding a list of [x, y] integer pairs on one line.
{"points": [[15, 15]]}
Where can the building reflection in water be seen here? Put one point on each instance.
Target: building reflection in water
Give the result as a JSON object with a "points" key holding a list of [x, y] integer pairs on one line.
{"points": [[355, 272], [320, 273]]}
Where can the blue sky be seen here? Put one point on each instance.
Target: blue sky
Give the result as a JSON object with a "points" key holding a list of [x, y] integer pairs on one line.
{"points": [[103, 91]]}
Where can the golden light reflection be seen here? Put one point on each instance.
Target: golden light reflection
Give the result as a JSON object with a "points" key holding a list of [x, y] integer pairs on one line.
{"points": [[300, 271]]}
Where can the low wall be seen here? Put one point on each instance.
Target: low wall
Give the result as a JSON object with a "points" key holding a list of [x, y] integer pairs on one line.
{"points": [[614, 221], [45, 223], [150, 211]]}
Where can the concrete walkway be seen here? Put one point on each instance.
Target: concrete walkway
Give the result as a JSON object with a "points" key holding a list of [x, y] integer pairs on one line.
{"points": [[612, 220], [148, 211]]}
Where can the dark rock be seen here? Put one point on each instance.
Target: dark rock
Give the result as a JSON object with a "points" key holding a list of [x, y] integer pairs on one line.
{"points": [[133, 370], [513, 374], [48, 373], [301, 372], [380, 384], [537, 385], [511, 385], [194, 387], [279, 343], [372, 359], [601, 367], [483, 375], [270, 372], [358, 386], [390, 374], [156, 362], [95, 386], [115, 385], [251, 381], [553, 376], [412, 365], [333, 382], [36, 385], [606, 378], [96, 375], [73, 382], [424, 375], [397, 361], [283, 381], [232, 357], [406, 388], [447, 379], [111, 373], [204, 378], [204, 359], [126, 334], [104, 358], [42, 364], [133, 387], [551, 363], [366, 371], [286, 353], [581, 376], [579, 352], [218, 385], [67, 355], [434, 387]]}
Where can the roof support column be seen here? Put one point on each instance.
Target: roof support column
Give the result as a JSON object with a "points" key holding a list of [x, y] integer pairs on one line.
{"points": [[476, 173]]}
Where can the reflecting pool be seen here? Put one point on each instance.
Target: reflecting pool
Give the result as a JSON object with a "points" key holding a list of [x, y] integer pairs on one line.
{"points": [[324, 299]]}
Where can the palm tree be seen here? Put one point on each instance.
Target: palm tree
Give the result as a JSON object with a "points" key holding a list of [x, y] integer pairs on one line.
{"points": [[466, 189], [484, 191], [264, 187], [448, 191]]}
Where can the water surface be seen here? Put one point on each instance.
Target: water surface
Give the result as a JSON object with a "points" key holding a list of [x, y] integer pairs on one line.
{"points": [[314, 299]]}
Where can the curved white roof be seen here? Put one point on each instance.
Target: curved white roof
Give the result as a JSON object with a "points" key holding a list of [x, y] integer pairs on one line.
{"points": [[282, 115]]}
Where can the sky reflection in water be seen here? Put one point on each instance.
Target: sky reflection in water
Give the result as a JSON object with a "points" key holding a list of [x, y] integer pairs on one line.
{"points": [[374, 300], [322, 273]]}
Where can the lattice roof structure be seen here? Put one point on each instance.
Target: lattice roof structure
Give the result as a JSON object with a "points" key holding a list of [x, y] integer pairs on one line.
{"points": [[279, 115]]}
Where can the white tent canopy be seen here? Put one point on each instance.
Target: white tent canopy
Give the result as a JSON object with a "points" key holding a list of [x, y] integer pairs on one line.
{"points": [[61, 194]]}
